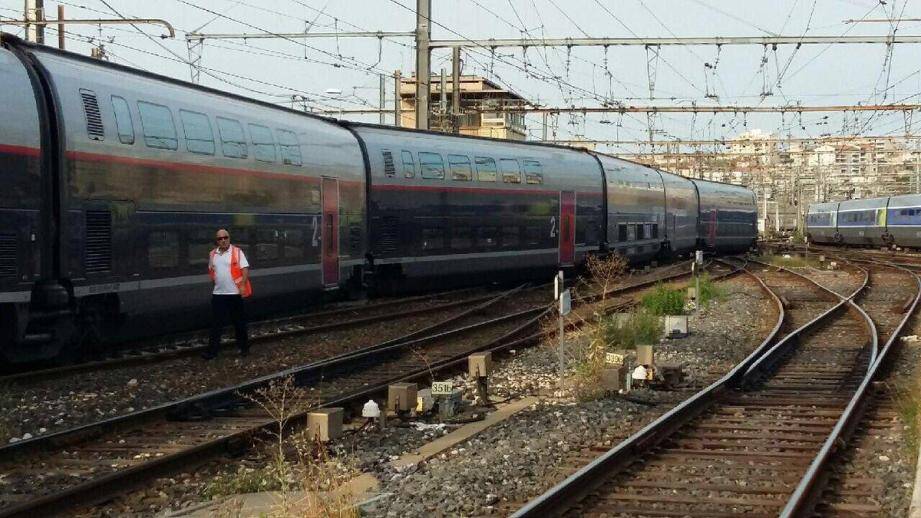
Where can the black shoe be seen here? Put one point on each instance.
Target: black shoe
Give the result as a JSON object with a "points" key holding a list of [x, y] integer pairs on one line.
{"points": [[208, 356]]}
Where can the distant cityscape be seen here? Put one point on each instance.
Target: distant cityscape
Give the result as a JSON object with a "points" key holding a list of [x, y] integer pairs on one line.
{"points": [[789, 174]]}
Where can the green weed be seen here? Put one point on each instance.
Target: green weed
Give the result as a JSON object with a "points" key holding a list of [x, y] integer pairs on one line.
{"points": [[709, 290], [638, 328], [664, 301]]}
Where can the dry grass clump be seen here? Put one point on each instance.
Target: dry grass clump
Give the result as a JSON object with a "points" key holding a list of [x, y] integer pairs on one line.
{"points": [[907, 399], [306, 479], [586, 346]]}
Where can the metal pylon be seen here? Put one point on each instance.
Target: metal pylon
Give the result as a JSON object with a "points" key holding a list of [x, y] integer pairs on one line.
{"points": [[195, 52], [652, 64]]}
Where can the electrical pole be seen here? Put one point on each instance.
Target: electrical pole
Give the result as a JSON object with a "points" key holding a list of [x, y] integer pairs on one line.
{"points": [[397, 99], [35, 12], [443, 100], [383, 103], [423, 62], [455, 89], [61, 27]]}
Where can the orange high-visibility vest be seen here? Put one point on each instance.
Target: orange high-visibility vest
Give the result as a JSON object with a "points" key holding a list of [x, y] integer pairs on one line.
{"points": [[236, 273]]}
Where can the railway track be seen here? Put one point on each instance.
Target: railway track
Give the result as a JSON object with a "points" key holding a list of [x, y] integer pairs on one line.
{"points": [[90, 463], [195, 342], [758, 441]]}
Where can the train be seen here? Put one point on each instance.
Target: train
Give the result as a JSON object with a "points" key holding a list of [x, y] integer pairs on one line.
{"points": [[884, 222], [115, 180]]}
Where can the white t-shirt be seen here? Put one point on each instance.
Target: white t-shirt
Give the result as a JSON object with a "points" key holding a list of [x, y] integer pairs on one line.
{"points": [[223, 281]]}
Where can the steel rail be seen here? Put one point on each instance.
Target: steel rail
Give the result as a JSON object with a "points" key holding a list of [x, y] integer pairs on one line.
{"points": [[575, 487], [182, 347], [807, 492], [775, 354], [95, 489], [98, 489], [579, 484]]}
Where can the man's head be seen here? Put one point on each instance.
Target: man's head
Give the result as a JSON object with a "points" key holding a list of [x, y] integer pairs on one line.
{"points": [[222, 238]]}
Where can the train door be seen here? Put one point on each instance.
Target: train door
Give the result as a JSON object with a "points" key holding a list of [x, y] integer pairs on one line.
{"points": [[567, 228], [330, 233], [711, 228]]}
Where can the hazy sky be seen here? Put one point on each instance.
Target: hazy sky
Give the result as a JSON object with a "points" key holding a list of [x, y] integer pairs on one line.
{"points": [[276, 69]]}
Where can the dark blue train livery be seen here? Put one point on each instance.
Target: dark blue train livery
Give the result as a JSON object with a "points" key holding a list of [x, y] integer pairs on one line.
{"points": [[116, 179]]}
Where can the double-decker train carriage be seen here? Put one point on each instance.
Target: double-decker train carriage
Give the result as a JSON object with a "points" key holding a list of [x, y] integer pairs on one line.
{"points": [[728, 216], [144, 170], [442, 205], [116, 180]]}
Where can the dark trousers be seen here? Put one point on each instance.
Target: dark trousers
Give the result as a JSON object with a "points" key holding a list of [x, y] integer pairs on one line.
{"points": [[226, 309]]}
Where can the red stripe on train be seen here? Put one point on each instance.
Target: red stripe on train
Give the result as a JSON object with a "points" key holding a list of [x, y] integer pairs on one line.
{"points": [[20, 150]]}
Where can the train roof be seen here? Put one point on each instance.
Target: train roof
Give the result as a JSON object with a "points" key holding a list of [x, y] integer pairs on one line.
{"points": [[864, 203], [828, 206], [18, 43]]}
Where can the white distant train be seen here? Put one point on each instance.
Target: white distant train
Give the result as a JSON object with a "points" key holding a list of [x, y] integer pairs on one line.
{"points": [[890, 220]]}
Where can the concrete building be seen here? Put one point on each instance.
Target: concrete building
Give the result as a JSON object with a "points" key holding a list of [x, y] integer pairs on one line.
{"points": [[478, 95], [787, 176]]}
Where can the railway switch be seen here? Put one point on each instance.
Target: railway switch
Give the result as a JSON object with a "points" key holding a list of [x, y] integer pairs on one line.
{"points": [[644, 355], [614, 378], [401, 397], [479, 366], [676, 326], [325, 424], [424, 401]]}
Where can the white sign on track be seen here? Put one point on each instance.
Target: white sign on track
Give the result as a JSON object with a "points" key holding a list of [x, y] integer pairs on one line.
{"points": [[442, 388]]}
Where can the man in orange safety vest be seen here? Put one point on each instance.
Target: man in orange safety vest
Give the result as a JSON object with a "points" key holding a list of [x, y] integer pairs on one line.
{"points": [[229, 270]]}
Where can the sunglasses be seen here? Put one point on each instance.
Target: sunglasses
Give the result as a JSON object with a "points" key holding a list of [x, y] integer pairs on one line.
{"points": [[221, 238]]}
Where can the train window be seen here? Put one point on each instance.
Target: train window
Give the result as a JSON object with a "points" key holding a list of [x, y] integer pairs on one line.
{"points": [[655, 231], [233, 140], [640, 234], [266, 244], [409, 164], [510, 171], [532, 235], [460, 168], [485, 169], [433, 238], [432, 165], [510, 237], [487, 237], [198, 135], [123, 123], [263, 143], [289, 147], [163, 249], [294, 244], [533, 172], [157, 123], [461, 238], [622, 233], [201, 242]]}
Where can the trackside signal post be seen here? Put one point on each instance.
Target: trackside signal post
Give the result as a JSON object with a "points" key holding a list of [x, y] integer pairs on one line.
{"points": [[564, 298], [695, 267]]}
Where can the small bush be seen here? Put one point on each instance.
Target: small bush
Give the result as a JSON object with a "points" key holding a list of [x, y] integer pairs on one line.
{"points": [[709, 290], [664, 301], [638, 328]]}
